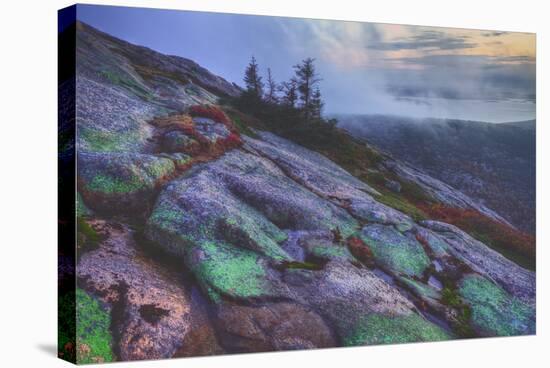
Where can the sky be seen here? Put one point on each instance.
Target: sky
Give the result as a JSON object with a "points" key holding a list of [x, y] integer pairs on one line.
{"points": [[366, 68]]}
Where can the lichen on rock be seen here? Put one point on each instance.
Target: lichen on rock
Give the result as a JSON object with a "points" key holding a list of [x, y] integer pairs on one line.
{"points": [[378, 329], [494, 311], [232, 272], [399, 253], [118, 182]]}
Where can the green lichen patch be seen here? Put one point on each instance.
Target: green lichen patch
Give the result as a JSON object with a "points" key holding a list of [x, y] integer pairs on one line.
{"points": [[378, 329], [211, 214], [253, 232], [93, 338], [138, 176], [234, 272], [66, 327], [122, 182], [331, 252], [108, 184], [96, 140], [494, 311], [396, 251]]}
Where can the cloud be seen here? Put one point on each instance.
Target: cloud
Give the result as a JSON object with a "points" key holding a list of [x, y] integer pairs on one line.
{"points": [[427, 39], [464, 77]]}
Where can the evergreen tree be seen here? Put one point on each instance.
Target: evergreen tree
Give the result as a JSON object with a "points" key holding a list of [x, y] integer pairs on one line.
{"points": [[307, 79], [290, 93], [271, 94], [253, 80], [317, 104]]}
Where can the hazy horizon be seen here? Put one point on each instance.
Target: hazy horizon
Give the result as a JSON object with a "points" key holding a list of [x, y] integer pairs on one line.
{"points": [[367, 68]]}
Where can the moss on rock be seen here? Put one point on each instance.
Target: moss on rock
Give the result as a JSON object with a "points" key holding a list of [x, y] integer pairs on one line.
{"points": [[378, 329], [121, 181], [396, 251], [494, 311], [93, 338], [234, 272], [331, 252]]}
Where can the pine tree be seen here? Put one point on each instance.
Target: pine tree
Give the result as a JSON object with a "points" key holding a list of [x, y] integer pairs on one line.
{"points": [[307, 79], [317, 104], [253, 80], [290, 93]]}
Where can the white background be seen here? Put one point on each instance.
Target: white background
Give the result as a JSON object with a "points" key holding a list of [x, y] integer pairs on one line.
{"points": [[28, 183]]}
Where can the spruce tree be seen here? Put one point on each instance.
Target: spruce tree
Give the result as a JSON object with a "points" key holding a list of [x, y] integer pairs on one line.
{"points": [[253, 80], [317, 104], [307, 79], [290, 93]]}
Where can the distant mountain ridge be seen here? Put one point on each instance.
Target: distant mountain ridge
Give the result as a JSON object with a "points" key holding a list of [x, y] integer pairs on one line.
{"points": [[494, 163]]}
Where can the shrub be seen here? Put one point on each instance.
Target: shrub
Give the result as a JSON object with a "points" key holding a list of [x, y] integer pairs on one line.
{"points": [[233, 140], [211, 112], [512, 243], [360, 250]]}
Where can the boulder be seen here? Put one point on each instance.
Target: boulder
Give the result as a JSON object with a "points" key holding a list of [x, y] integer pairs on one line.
{"points": [[479, 257], [274, 326], [151, 312], [343, 294], [121, 182], [241, 199]]}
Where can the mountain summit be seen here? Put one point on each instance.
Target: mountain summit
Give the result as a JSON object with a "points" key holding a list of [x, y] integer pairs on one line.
{"points": [[205, 230]]}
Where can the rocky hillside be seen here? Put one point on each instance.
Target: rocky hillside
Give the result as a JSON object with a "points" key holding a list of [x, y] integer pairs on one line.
{"points": [[201, 234], [494, 163]]}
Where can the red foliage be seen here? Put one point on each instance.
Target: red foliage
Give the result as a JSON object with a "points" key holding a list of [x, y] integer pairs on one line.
{"points": [[211, 112], [360, 250], [233, 140], [484, 228], [189, 130], [423, 242]]}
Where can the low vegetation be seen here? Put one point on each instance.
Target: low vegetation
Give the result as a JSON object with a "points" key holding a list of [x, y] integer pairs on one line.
{"points": [[512, 243]]}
